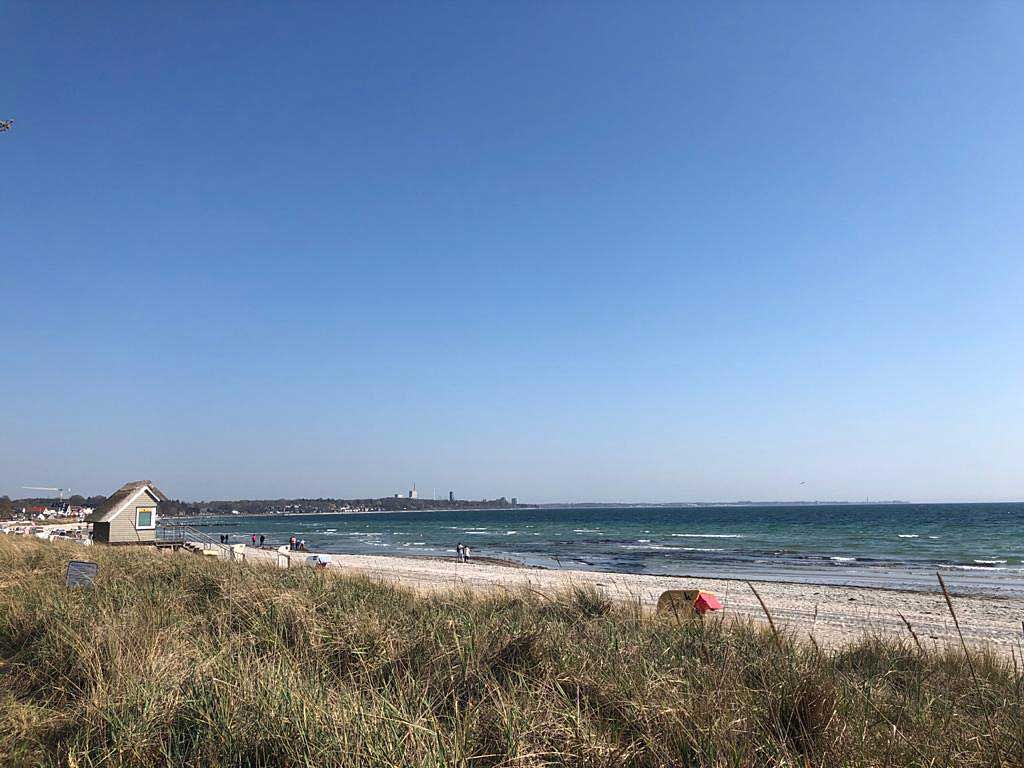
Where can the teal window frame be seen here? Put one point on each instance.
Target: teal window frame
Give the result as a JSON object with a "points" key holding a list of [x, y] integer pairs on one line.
{"points": [[139, 512]]}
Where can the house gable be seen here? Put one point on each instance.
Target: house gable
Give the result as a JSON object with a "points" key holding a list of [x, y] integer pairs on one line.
{"points": [[123, 498], [142, 497]]}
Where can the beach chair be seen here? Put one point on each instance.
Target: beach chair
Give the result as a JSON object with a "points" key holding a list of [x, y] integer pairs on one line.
{"points": [[687, 603]]}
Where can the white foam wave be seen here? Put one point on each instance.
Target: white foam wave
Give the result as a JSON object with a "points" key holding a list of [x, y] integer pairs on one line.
{"points": [[843, 559], [970, 568], [586, 530], [708, 535], [667, 548], [907, 535]]}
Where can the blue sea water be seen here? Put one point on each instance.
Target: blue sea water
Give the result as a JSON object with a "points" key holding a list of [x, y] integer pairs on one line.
{"points": [[979, 548]]}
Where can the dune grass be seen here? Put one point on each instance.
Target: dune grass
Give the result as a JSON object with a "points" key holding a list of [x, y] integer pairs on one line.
{"points": [[173, 660]]}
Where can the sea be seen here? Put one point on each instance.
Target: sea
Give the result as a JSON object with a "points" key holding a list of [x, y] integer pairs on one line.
{"points": [[978, 548]]}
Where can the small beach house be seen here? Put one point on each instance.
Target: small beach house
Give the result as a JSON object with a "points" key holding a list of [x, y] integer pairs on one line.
{"points": [[128, 516]]}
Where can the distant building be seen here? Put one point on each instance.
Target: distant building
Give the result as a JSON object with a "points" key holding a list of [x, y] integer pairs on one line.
{"points": [[515, 500], [451, 496], [128, 516], [413, 494]]}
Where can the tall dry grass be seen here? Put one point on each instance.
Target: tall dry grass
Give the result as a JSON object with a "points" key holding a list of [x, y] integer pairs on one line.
{"points": [[173, 660]]}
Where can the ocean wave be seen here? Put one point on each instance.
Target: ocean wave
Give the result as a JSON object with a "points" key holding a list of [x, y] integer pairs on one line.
{"points": [[708, 535], [908, 535], [586, 530], [667, 548], [953, 567], [990, 562], [511, 533], [643, 541], [843, 559]]}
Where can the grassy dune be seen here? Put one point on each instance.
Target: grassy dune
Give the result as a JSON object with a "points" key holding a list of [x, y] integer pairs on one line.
{"points": [[174, 660]]}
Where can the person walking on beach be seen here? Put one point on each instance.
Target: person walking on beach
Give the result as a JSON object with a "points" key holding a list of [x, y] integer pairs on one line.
{"points": [[254, 541], [465, 554], [459, 549], [291, 543], [262, 539]]}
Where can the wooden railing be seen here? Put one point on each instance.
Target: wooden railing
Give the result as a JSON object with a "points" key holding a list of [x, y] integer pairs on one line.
{"points": [[185, 534]]}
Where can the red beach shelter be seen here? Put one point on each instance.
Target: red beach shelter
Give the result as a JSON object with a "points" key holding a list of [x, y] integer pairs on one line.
{"points": [[706, 602]]}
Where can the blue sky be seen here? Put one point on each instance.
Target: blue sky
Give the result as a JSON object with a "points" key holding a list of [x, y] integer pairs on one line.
{"points": [[564, 251]]}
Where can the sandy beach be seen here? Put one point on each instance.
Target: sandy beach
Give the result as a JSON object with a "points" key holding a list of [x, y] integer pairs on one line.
{"points": [[831, 614]]}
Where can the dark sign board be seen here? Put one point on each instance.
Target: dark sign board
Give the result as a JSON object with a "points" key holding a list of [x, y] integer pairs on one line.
{"points": [[81, 573]]}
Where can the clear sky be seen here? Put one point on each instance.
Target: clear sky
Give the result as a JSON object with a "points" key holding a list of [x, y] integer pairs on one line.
{"points": [[561, 251]]}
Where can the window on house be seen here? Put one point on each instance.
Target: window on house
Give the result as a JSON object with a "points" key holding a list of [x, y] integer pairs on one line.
{"points": [[145, 517]]}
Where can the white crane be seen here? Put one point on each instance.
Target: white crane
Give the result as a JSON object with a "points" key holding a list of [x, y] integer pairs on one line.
{"points": [[59, 491]]}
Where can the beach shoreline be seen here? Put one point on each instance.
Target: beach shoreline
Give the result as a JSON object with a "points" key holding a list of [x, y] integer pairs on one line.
{"points": [[956, 590], [974, 548], [831, 615]]}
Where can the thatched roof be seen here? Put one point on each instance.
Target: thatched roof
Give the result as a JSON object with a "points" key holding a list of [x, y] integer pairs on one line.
{"points": [[112, 507]]}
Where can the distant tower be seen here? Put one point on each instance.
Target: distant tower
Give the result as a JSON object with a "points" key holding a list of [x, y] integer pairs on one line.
{"points": [[451, 496], [515, 500], [412, 493]]}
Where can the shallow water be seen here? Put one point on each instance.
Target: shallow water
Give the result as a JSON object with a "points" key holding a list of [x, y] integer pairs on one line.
{"points": [[977, 547]]}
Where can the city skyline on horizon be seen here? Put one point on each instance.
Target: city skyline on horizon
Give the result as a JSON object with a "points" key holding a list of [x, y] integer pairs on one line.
{"points": [[449, 495]]}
